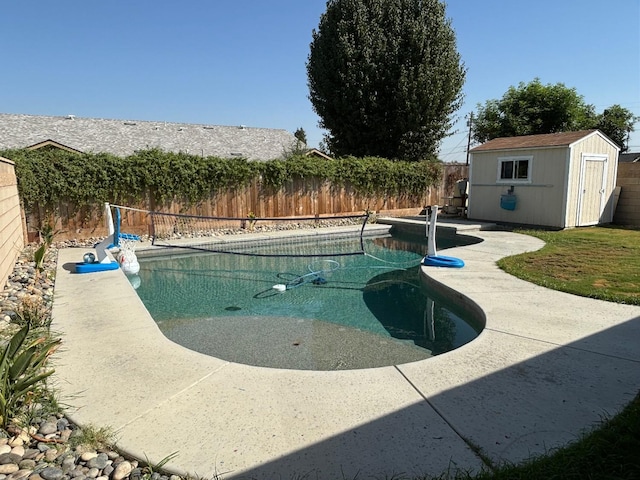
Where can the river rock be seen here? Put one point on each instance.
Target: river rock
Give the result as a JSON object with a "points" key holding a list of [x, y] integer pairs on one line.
{"points": [[52, 473], [47, 428], [9, 468], [50, 455], [18, 450], [27, 464], [122, 470], [93, 473], [21, 474], [86, 456], [99, 461], [7, 458]]}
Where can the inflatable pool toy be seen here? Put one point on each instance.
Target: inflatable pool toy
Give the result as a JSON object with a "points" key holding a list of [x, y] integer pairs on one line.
{"points": [[103, 260], [84, 267], [129, 262]]}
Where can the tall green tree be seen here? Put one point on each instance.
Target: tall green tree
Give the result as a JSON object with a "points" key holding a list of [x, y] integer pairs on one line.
{"points": [[301, 136], [617, 122], [533, 108], [385, 77]]}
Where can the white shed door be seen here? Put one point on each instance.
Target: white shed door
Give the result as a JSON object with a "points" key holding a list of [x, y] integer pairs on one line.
{"points": [[591, 197]]}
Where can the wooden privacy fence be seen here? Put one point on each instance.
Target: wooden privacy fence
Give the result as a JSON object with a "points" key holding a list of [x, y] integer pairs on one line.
{"points": [[628, 209], [11, 224], [299, 197]]}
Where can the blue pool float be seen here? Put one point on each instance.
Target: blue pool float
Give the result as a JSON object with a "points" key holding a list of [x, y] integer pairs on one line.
{"points": [[83, 267], [442, 261]]}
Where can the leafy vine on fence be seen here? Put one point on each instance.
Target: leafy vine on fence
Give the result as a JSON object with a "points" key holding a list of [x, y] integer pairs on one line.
{"points": [[49, 176]]}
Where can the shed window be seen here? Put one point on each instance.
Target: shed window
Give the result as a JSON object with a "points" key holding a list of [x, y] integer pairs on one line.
{"points": [[514, 169]]}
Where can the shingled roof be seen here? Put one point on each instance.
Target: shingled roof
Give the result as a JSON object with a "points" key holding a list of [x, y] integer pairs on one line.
{"points": [[629, 157], [124, 137], [546, 140]]}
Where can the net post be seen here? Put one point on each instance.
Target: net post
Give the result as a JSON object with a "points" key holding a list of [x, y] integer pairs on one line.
{"points": [[153, 228], [431, 239], [364, 223], [116, 229], [108, 218]]}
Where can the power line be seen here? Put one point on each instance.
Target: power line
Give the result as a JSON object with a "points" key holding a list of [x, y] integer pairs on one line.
{"points": [[453, 149]]}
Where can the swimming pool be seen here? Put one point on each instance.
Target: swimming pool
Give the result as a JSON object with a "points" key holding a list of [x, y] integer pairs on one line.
{"points": [[342, 312]]}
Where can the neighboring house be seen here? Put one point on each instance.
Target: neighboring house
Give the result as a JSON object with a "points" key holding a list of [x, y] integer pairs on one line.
{"points": [[557, 180], [629, 158], [314, 152], [124, 137]]}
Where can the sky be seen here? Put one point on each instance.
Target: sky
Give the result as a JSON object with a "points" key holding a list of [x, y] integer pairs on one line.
{"points": [[244, 63]]}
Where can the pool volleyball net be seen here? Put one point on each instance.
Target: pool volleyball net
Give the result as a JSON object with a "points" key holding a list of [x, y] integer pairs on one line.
{"points": [[259, 236]]}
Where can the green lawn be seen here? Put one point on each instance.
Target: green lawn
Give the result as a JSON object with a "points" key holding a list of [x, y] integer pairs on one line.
{"points": [[598, 262]]}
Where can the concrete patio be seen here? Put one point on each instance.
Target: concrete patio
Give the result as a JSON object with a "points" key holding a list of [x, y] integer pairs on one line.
{"points": [[547, 367]]}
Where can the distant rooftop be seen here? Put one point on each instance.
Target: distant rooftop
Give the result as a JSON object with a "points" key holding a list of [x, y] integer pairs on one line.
{"points": [[633, 157], [124, 137]]}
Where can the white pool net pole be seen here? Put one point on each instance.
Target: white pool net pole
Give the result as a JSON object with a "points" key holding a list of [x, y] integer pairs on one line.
{"points": [[108, 219], [431, 232]]}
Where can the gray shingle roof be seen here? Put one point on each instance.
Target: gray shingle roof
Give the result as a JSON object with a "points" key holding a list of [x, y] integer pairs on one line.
{"points": [[124, 137], [629, 157], [562, 139]]}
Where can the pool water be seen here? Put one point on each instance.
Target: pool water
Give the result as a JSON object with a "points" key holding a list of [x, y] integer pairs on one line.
{"points": [[314, 313]]}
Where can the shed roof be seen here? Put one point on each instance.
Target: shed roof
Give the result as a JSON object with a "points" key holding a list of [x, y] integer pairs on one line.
{"points": [[563, 139], [124, 137]]}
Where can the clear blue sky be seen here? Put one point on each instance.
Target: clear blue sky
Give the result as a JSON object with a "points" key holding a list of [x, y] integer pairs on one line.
{"points": [[233, 63]]}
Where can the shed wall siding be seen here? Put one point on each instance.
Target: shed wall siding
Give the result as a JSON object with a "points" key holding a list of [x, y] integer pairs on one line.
{"points": [[538, 203], [554, 197]]}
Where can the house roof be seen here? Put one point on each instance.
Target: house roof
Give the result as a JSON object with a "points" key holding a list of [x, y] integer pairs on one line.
{"points": [[314, 152], [629, 157], [124, 137], [563, 139]]}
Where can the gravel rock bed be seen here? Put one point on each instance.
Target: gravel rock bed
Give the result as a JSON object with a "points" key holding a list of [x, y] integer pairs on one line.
{"points": [[43, 450]]}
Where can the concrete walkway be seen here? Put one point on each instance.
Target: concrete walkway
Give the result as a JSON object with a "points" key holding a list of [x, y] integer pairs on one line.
{"points": [[547, 366]]}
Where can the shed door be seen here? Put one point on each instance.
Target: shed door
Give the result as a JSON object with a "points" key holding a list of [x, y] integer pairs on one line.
{"points": [[591, 197]]}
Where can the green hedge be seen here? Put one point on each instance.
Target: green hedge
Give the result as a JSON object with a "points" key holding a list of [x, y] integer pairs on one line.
{"points": [[49, 176]]}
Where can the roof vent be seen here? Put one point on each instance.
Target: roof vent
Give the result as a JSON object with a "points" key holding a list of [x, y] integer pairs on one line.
{"points": [[70, 117]]}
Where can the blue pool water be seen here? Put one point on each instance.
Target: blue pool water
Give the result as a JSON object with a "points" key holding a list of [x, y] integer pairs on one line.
{"points": [[326, 313]]}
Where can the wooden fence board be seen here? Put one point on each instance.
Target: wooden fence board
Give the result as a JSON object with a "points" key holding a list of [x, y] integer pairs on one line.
{"points": [[300, 197]]}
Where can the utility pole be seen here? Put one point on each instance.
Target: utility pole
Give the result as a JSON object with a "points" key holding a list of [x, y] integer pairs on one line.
{"points": [[470, 124]]}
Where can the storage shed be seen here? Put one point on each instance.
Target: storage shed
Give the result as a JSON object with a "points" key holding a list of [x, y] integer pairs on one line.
{"points": [[558, 180]]}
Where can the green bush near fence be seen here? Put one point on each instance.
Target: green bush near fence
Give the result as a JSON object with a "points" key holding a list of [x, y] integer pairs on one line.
{"points": [[49, 176]]}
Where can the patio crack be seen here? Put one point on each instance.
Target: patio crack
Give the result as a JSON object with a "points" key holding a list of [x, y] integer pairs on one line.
{"points": [[476, 449]]}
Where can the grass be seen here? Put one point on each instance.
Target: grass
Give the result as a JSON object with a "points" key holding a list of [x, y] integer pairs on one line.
{"points": [[597, 262], [610, 452], [98, 438], [602, 263]]}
